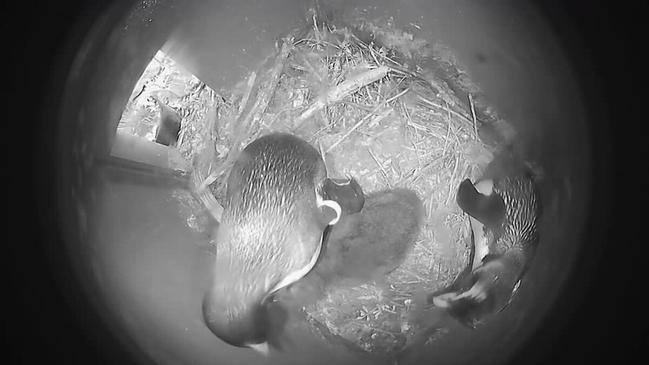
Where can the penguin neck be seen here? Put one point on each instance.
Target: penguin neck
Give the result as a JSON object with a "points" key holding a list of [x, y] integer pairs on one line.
{"points": [[300, 273], [237, 321], [234, 281], [235, 296], [515, 259]]}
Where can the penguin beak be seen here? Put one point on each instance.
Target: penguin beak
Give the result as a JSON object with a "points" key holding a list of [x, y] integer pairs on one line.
{"points": [[262, 348], [444, 300], [467, 307], [477, 293]]}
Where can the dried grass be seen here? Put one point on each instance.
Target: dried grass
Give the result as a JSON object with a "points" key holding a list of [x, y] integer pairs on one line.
{"points": [[381, 123]]}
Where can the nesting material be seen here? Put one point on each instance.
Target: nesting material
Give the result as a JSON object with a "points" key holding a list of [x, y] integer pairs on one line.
{"points": [[377, 121], [374, 119]]}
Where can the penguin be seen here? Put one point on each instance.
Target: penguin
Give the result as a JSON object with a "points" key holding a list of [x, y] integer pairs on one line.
{"points": [[270, 235], [377, 240], [168, 129], [283, 308], [504, 209], [365, 245]]}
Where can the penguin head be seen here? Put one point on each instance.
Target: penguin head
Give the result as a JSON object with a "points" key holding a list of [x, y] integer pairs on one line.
{"points": [[486, 291], [245, 279], [241, 323], [480, 202], [503, 209], [346, 192], [255, 324]]}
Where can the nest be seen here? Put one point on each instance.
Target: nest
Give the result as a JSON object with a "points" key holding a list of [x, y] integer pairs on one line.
{"points": [[375, 119], [388, 127]]}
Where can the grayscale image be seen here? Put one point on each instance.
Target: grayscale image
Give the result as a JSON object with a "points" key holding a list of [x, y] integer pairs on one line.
{"points": [[327, 182]]}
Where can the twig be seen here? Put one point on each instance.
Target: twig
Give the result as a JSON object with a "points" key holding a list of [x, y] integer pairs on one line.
{"points": [[357, 105], [206, 197], [451, 184], [264, 95], [475, 122], [276, 116], [391, 99], [318, 37], [210, 115], [342, 90], [372, 49], [421, 245], [377, 119], [246, 95], [417, 174], [448, 129], [322, 155], [263, 99], [385, 174], [459, 115], [374, 56]]}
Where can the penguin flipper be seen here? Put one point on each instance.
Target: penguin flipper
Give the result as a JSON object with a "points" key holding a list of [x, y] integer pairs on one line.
{"points": [[461, 280], [487, 209]]}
